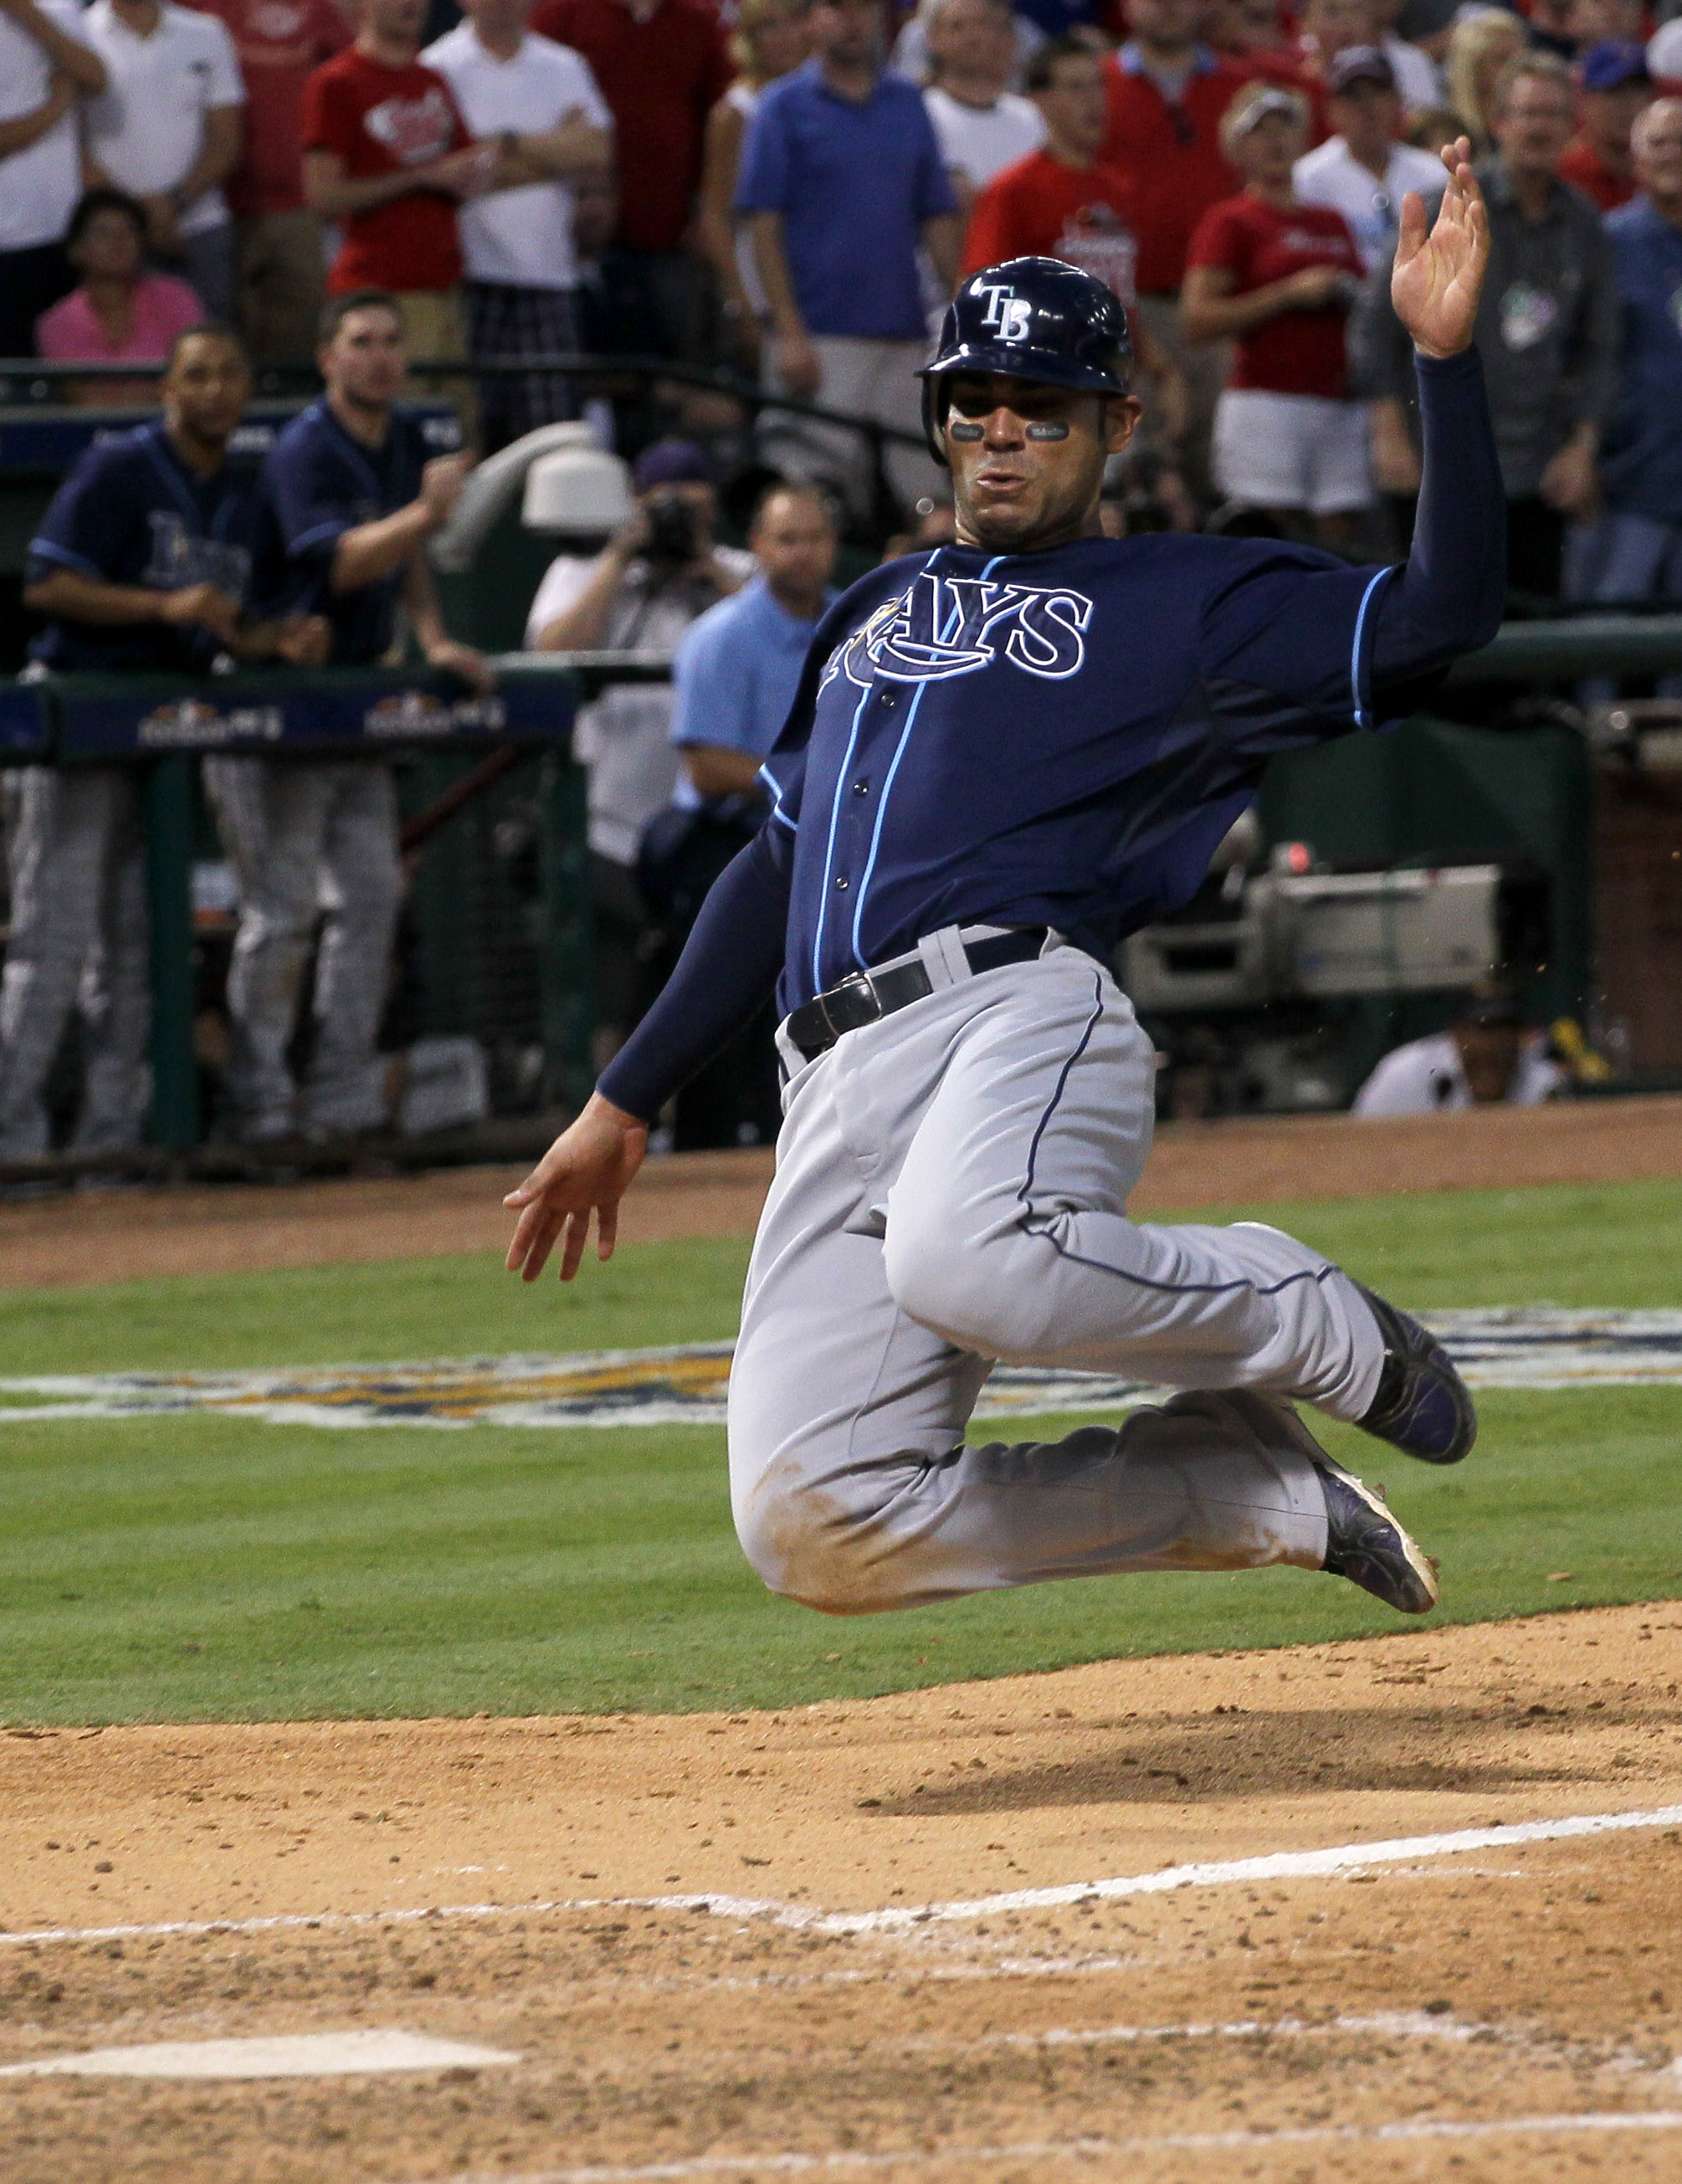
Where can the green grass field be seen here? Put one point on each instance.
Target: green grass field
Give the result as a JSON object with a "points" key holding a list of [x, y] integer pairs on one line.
{"points": [[203, 1568]]}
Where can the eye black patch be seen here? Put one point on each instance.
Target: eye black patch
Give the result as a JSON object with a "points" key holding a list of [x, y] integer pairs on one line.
{"points": [[1048, 428], [962, 428]]}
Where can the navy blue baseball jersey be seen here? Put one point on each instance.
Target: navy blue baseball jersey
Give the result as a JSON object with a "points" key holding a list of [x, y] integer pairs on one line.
{"points": [[1056, 738], [132, 512], [325, 482]]}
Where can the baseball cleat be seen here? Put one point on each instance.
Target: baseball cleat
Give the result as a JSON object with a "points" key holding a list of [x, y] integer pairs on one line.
{"points": [[1422, 1406], [1365, 1544]]}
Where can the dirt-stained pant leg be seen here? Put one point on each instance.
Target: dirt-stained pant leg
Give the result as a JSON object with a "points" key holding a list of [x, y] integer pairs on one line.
{"points": [[951, 1189], [300, 836], [79, 932]]}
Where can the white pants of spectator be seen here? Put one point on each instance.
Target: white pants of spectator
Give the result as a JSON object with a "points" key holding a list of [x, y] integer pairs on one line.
{"points": [[76, 847], [1292, 451], [1626, 558], [951, 1189], [874, 379], [303, 837]]}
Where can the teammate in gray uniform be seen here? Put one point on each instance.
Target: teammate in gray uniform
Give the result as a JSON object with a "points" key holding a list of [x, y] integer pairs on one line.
{"points": [[1005, 754]]}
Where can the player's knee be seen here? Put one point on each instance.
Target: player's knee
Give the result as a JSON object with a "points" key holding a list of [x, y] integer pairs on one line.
{"points": [[807, 1548]]}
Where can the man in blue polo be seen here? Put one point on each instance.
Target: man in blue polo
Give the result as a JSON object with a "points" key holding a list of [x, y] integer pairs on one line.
{"points": [[149, 558], [1641, 469], [356, 497], [734, 679], [841, 180]]}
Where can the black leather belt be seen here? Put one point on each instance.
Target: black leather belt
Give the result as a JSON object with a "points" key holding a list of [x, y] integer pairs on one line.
{"points": [[813, 1027]]}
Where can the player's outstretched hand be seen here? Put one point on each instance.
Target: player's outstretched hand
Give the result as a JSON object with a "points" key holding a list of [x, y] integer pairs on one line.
{"points": [[1439, 275], [587, 1170]]}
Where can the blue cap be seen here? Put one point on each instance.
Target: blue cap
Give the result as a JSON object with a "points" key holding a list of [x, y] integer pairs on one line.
{"points": [[672, 462], [1612, 62]]}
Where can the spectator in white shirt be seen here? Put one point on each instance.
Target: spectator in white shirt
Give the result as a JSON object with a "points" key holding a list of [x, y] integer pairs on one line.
{"points": [[539, 103], [770, 40], [911, 56], [45, 68], [1485, 1058], [981, 124], [1417, 77], [1362, 171], [167, 129]]}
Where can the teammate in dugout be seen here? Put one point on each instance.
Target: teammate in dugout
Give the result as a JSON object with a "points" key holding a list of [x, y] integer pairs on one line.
{"points": [[1004, 755], [156, 553]]}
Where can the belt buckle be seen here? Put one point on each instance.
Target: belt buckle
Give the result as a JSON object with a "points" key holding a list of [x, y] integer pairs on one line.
{"points": [[856, 982]]}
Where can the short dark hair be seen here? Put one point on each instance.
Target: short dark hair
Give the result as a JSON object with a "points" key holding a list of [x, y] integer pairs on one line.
{"points": [[337, 308], [93, 202], [208, 330], [1042, 69], [796, 489]]}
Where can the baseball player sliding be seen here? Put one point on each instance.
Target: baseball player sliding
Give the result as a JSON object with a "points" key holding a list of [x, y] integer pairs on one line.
{"points": [[1004, 756]]}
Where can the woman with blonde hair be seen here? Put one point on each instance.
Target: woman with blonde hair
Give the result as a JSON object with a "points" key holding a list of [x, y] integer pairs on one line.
{"points": [[770, 38], [1482, 42]]}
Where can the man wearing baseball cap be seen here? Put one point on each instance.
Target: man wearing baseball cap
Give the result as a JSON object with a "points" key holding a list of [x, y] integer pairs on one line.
{"points": [[1362, 171], [1613, 84]]}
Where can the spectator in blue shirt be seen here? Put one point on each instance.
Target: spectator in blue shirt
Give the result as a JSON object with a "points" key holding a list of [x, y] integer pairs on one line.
{"points": [[841, 180], [734, 679], [1641, 469]]}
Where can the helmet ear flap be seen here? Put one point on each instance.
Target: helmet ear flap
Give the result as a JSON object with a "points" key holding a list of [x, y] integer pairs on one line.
{"points": [[933, 417]]}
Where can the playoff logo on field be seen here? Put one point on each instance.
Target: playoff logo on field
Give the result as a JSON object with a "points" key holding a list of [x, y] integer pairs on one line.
{"points": [[948, 626]]}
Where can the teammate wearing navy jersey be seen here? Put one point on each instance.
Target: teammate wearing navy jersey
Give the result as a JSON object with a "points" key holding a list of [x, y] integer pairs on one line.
{"points": [[152, 555], [356, 497], [1004, 755]]}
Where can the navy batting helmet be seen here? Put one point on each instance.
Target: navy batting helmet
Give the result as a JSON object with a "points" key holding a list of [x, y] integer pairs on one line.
{"points": [[1032, 318]]}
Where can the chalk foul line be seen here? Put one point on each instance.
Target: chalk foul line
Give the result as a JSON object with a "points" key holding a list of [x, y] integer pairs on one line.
{"points": [[1277, 1865]]}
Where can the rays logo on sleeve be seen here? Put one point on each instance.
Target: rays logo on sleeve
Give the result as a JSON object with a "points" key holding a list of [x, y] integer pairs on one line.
{"points": [[948, 626]]}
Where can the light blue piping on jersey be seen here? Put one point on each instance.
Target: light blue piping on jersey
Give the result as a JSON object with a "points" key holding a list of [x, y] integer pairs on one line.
{"points": [[945, 636], [775, 787], [1362, 718], [829, 846]]}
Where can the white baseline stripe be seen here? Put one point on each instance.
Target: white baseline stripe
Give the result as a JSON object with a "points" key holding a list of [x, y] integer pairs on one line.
{"points": [[1279, 1866], [1072, 2149]]}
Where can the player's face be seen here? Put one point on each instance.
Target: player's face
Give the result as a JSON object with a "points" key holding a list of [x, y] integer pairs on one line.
{"points": [[365, 361], [206, 389], [1028, 460]]}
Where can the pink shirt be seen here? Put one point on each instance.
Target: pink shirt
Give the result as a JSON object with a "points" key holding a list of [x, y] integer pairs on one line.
{"points": [[69, 333]]}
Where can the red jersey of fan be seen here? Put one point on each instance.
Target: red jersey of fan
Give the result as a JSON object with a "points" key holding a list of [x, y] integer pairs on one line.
{"points": [[1583, 167], [661, 75], [380, 120], [1039, 208], [279, 43], [1172, 156], [1299, 352]]}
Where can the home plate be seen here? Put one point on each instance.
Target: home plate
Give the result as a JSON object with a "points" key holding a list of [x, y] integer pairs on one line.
{"points": [[294, 2055]]}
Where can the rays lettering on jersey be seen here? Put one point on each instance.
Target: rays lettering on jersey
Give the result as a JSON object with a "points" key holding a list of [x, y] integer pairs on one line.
{"points": [[179, 559], [948, 626]]}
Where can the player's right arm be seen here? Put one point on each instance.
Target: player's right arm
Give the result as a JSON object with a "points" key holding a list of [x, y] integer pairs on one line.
{"points": [[71, 595]]}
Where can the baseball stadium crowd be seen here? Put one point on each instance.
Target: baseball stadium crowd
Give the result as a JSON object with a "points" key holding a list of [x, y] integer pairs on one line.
{"points": [[774, 194]]}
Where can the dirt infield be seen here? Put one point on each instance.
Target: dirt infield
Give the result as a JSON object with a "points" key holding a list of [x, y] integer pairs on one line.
{"points": [[1504, 2010], [50, 1243]]}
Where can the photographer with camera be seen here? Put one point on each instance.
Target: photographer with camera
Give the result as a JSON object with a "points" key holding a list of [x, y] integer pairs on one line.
{"points": [[659, 571]]}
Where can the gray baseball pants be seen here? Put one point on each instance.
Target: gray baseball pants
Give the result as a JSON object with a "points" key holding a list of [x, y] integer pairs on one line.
{"points": [[76, 848], [302, 836], [951, 1189]]}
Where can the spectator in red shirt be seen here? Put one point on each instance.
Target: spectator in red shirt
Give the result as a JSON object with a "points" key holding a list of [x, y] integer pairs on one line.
{"points": [[1614, 86], [1061, 201], [277, 239], [662, 66], [386, 154], [1167, 93], [1278, 277]]}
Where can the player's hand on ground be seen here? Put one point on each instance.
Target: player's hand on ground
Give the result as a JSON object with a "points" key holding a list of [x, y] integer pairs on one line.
{"points": [[587, 1170], [201, 606], [462, 661], [1439, 275]]}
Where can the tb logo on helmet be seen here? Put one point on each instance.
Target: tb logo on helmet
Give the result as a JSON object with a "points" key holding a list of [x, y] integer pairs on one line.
{"points": [[1011, 316]]}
